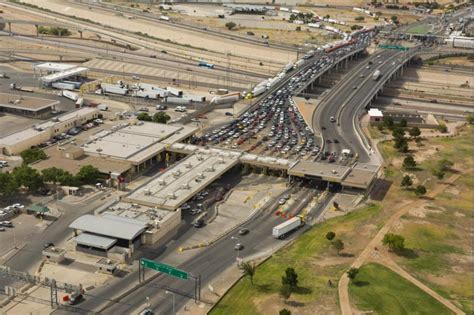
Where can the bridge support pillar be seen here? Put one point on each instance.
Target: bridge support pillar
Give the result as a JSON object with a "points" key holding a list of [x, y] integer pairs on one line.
{"points": [[346, 63], [401, 70], [319, 80], [37, 30], [10, 28]]}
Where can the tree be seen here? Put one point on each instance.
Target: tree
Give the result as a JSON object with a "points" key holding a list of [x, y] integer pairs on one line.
{"points": [[445, 164], [439, 173], [352, 273], [161, 118], [28, 177], [8, 184], [327, 16], [420, 190], [32, 155], [290, 278], [393, 241], [470, 119], [88, 174], [330, 235], [394, 19], [406, 181], [284, 311], [230, 25], [338, 245], [398, 132], [248, 270], [403, 123], [409, 162], [388, 122], [443, 128], [144, 117], [285, 292], [53, 174], [414, 132]]}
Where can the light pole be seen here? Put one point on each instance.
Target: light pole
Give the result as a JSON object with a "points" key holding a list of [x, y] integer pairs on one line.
{"points": [[173, 295]]}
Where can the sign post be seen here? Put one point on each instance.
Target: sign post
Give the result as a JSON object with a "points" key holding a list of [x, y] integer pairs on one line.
{"points": [[171, 271]]}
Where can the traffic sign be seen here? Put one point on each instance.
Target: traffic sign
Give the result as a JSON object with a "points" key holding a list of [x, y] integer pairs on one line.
{"points": [[164, 268], [396, 47]]}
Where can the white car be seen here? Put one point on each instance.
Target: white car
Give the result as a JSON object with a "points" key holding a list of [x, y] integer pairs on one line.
{"points": [[18, 206], [282, 201], [332, 119]]}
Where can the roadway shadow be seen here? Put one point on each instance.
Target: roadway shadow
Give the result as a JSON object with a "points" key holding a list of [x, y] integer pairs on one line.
{"points": [[295, 303], [121, 273], [264, 288], [346, 255], [380, 189]]}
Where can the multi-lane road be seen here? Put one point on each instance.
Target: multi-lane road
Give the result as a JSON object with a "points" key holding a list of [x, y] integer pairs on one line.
{"points": [[209, 263]]}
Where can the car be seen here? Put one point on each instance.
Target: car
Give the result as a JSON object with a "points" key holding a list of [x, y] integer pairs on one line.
{"points": [[228, 114], [6, 224], [2, 229], [48, 245], [282, 201], [196, 211], [75, 298], [336, 141], [135, 77], [238, 246], [243, 231], [185, 207], [161, 107], [328, 141], [146, 311], [332, 119], [199, 223]]}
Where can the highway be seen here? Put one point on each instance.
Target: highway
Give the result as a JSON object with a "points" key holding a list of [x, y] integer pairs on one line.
{"points": [[344, 102], [209, 263]]}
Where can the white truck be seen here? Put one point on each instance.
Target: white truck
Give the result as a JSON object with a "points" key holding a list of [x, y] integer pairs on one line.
{"points": [[174, 91], [102, 107], [70, 95], [376, 75], [259, 90], [281, 230], [63, 86], [226, 98], [113, 89]]}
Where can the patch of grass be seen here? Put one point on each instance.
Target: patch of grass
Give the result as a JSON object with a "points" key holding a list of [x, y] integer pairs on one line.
{"points": [[301, 255], [419, 29], [378, 289]]}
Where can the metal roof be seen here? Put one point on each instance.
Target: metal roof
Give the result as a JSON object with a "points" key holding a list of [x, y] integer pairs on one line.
{"points": [[38, 208], [63, 74], [95, 240], [112, 226]]}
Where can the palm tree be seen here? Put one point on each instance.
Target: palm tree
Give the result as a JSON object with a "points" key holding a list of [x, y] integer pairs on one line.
{"points": [[248, 270]]}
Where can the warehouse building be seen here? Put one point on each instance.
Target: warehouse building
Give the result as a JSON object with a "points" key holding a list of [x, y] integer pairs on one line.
{"points": [[17, 142]]}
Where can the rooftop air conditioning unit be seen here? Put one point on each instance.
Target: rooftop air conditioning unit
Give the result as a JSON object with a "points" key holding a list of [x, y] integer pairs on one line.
{"points": [[200, 175], [210, 169], [189, 165], [185, 186], [171, 196], [147, 192]]}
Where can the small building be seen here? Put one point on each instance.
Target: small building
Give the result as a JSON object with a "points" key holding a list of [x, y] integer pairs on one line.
{"points": [[107, 266], [97, 235], [37, 209], [54, 254], [375, 114], [33, 107]]}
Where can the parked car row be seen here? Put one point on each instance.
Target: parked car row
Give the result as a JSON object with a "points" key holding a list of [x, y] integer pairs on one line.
{"points": [[71, 132]]}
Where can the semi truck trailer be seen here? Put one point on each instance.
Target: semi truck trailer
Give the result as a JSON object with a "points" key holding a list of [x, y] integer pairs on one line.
{"points": [[281, 230]]}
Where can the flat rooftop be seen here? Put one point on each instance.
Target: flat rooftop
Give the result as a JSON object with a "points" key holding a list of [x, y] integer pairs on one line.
{"points": [[32, 104], [104, 165], [326, 171], [138, 212], [30, 132], [54, 66], [136, 143], [173, 187], [361, 175]]}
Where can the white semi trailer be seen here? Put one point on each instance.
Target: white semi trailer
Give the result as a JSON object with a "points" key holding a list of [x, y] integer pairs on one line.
{"points": [[281, 230]]}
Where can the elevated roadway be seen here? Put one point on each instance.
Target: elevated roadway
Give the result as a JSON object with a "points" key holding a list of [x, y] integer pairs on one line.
{"points": [[345, 102]]}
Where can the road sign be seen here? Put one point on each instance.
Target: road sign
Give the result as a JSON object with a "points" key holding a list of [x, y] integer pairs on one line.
{"points": [[164, 268], [396, 47]]}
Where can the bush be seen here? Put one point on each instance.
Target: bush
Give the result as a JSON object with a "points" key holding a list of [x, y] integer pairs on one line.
{"points": [[359, 18], [420, 190], [394, 242], [32, 155], [230, 25], [443, 128]]}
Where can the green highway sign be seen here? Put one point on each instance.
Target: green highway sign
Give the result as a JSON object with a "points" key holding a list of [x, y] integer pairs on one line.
{"points": [[164, 268], [396, 47]]}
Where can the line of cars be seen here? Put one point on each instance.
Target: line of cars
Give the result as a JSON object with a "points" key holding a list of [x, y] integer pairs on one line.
{"points": [[8, 212], [288, 134]]}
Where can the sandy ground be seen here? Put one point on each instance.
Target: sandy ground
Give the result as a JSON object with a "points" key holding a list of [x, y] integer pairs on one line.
{"points": [[163, 31]]}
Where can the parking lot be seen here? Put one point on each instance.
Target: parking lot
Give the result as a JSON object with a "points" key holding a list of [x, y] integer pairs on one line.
{"points": [[24, 227]]}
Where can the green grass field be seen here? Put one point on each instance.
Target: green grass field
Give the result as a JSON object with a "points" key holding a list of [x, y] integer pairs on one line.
{"points": [[420, 29], [302, 255], [378, 289]]}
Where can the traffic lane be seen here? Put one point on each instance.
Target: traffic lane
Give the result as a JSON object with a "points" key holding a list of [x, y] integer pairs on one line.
{"points": [[102, 296], [350, 112], [212, 261]]}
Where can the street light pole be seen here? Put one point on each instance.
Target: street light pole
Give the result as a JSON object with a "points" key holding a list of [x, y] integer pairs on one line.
{"points": [[174, 306]]}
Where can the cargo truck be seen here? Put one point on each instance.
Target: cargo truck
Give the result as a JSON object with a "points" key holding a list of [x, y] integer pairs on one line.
{"points": [[113, 89], [258, 90], [15, 87], [227, 98], [70, 95], [281, 230], [376, 75], [174, 91]]}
